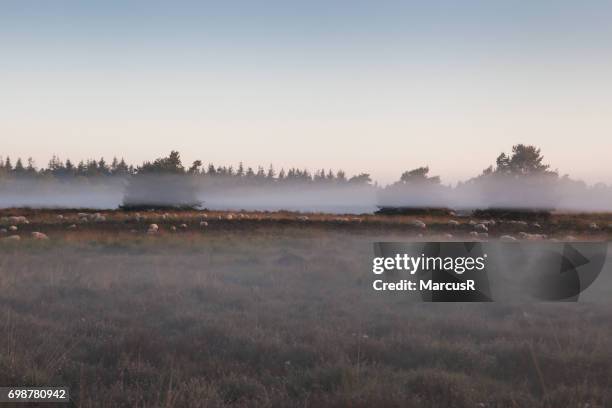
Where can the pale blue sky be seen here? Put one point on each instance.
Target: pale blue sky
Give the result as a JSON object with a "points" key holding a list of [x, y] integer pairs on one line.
{"points": [[366, 86]]}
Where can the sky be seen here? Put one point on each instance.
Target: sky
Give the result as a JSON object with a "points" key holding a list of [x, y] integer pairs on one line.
{"points": [[366, 86]]}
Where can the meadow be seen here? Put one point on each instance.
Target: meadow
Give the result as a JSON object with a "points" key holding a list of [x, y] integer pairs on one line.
{"points": [[276, 310]]}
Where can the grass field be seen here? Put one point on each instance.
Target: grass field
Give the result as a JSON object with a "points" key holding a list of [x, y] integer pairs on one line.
{"points": [[273, 310]]}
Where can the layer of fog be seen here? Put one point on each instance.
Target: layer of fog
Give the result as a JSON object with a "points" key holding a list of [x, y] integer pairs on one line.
{"points": [[226, 194]]}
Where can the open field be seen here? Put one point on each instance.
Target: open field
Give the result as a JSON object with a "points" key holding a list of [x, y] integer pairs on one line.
{"points": [[274, 310]]}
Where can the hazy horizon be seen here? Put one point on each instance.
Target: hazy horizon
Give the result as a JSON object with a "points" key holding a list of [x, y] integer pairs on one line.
{"points": [[378, 88]]}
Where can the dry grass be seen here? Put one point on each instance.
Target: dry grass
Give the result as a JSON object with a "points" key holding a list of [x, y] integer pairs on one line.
{"points": [[275, 313]]}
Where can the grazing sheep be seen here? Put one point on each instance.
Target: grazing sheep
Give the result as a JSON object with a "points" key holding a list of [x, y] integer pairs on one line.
{"points": [[453, 223], [153, 229], [183, 226], [172, 228], [419, 224], [20, 219], [536, 225], [97, 217], [507, 238], [203, 224], [481, 228], [472, 222], [12, 238], [303, 218], [229, 217], [82, 214], [593, 226], [13, 228], [447, 236], [71, 227], [39, 235], [60, 217], [474, 234]]}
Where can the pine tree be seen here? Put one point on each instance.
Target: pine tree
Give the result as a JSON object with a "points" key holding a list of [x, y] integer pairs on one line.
{"points": [[19, 169]]}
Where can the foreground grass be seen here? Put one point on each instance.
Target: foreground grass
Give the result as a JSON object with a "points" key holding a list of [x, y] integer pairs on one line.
{"points": [[276, 317]]}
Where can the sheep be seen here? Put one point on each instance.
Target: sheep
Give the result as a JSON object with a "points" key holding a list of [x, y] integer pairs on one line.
{"points": [[419, 224], [97, 217], [570, 238], [60, 217], [183, 226], [229, 217], [474, 234], [71, 226], [507, 238], [12, 238], [536, 225], [173, 228], [448, 236], [453, 223], [153, 228], [39, 235], [593, 226], [203, 224], [18, 219], [472, 222], [303, 218], [481, 228], [13, 228]]}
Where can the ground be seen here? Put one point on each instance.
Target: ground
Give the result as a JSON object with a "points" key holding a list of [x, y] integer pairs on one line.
{"points": [[274, 310]]}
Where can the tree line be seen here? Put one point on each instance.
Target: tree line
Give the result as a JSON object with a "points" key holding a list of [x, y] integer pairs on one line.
{"points": [[171, 164], [524, 160]]}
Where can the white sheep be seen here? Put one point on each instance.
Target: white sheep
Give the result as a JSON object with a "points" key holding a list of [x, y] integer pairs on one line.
{"points": [[153, 228], [203, 224], [183, 226], [13, 228], [18, 219], [481, 228], [507, 238], [419, 224], [39, 235], [453, 223]]}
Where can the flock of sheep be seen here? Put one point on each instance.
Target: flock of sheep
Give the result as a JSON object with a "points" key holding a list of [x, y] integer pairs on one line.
{"points": [[475, 230]]}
